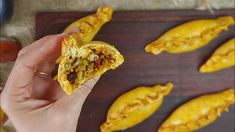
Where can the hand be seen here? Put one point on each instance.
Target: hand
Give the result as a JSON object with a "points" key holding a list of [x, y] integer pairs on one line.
{"points": [[35, 102]]}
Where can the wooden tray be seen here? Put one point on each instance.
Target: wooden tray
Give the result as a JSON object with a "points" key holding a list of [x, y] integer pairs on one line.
{"points": [[130, 32]]}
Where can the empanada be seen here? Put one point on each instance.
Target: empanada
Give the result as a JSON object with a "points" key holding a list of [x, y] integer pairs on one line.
{"points": [[88, 27], [223, 57], [81, 62], [134, 107], [189, 36], [198, 112]]}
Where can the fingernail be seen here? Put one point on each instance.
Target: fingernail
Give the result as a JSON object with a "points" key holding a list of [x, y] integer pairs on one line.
{"points": [[74, 29]]}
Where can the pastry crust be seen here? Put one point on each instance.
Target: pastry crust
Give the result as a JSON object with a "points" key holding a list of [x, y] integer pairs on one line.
{"points": [[88, 27], [81, 62], [134, 107], [190, 36], [223, 57], [198, 112]]}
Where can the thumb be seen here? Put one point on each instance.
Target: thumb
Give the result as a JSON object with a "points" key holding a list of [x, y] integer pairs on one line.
{"points": [[74, 102]]}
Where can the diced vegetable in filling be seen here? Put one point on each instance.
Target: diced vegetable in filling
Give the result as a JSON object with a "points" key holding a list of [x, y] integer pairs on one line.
{"points": [[84, 67]]}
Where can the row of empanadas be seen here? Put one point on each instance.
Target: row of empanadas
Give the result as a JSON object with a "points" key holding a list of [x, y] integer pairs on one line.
{"points": [[138, 104], [83, 59], [196, 34]]}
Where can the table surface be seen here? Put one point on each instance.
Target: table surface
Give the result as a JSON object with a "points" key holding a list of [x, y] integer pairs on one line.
{"points": [[129, 32]]}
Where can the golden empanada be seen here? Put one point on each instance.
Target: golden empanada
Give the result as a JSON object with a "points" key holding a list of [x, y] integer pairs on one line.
{"points": [[81, 62], [223, 57], [134, 107], [87, 27], [189, 36], [198, 112]]}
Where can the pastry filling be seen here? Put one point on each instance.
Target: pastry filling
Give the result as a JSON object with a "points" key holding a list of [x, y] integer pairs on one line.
{"points": [[81, 67]]}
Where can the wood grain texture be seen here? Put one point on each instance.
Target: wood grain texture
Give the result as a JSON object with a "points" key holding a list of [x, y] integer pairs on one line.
{"points": [[129, 32]]}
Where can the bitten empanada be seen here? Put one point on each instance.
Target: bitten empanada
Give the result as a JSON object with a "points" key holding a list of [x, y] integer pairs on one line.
{"points": [[134, 107], [189, 36], [88, 27], [81, 62], [198, 112], [223, 57]]}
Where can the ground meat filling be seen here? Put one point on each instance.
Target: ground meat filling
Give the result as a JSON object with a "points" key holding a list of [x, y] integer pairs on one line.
{"points": [[79, 68], [72, 77]]}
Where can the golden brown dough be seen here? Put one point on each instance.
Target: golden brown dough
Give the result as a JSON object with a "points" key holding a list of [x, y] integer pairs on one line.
{"points": [[190, 36], [134, 107], [198, 112], [223, 57], [88, 27]]}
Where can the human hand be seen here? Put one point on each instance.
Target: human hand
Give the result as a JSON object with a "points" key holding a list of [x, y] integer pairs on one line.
{"points": [[35, 102]]}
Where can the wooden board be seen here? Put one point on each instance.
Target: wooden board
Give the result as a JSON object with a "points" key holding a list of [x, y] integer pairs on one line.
{"points": [[130, 32]]}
